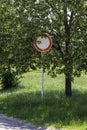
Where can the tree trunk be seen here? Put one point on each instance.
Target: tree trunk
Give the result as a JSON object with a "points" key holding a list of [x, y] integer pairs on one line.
{"points": [[68, 85]]}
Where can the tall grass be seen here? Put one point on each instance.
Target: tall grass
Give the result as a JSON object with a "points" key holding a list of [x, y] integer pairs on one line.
{"points": [[55, 110]]}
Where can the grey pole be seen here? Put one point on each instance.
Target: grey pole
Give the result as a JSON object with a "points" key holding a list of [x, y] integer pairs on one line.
{"points": [[42, 89]]}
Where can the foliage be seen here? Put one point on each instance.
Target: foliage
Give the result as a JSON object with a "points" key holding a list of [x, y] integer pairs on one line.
{"points": [[9, 78], [16, 49], [66, 22]]}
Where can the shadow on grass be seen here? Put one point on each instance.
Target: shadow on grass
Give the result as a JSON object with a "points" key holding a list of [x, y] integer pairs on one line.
{"points": [[56, 109]]}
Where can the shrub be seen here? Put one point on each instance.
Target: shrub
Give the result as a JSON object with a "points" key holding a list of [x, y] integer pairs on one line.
{"points": [[9, 78]]}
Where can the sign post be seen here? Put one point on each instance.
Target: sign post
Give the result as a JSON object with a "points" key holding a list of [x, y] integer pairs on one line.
{"points": [[43, 44], [42, 91]]}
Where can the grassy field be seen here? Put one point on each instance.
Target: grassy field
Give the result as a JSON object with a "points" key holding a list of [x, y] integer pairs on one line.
{"points": [[55, 110]]}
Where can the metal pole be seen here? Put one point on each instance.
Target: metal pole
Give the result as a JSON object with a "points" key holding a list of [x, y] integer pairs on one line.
{"points": [[42, 90]]}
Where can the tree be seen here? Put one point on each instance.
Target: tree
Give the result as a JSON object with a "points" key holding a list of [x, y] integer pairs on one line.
{"points": [[16, 51], [66, 22]]}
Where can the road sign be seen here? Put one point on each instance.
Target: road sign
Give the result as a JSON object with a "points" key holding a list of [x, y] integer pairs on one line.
{"points": [[43, 44]]}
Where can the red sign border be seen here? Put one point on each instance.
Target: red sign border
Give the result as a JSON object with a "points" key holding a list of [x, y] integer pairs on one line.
{"points": [[46, 49]]}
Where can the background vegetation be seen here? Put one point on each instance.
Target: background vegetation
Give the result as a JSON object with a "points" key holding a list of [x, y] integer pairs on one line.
{"points": [[66, 21]]}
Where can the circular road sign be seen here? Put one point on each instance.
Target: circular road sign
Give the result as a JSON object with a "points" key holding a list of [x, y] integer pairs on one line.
{"points": [[43, 43]]}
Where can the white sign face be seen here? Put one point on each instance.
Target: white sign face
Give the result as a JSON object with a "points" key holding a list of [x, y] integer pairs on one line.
{"points": [[43, 43]]}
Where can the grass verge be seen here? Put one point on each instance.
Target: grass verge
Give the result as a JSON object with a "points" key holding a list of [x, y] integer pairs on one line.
{"points": [[55, 110]]}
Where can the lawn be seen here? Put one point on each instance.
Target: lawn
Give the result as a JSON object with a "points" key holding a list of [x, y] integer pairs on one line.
{"points": [[55, 110]]}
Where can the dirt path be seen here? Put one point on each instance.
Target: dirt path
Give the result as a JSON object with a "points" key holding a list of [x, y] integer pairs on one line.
{"points": [[9, 123]]}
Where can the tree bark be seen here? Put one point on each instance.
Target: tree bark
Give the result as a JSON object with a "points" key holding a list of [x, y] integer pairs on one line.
{"points": [[68, 85], [68, 59]]}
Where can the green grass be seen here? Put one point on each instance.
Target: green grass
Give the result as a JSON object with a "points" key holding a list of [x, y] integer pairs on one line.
{"points": [[55, 110]]}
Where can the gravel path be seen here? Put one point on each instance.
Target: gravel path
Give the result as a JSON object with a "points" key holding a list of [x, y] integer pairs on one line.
{"points": [[9, 123]]}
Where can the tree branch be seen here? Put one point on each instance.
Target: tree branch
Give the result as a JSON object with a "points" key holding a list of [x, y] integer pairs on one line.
{"points": [[71, 19], [57, 46]]}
